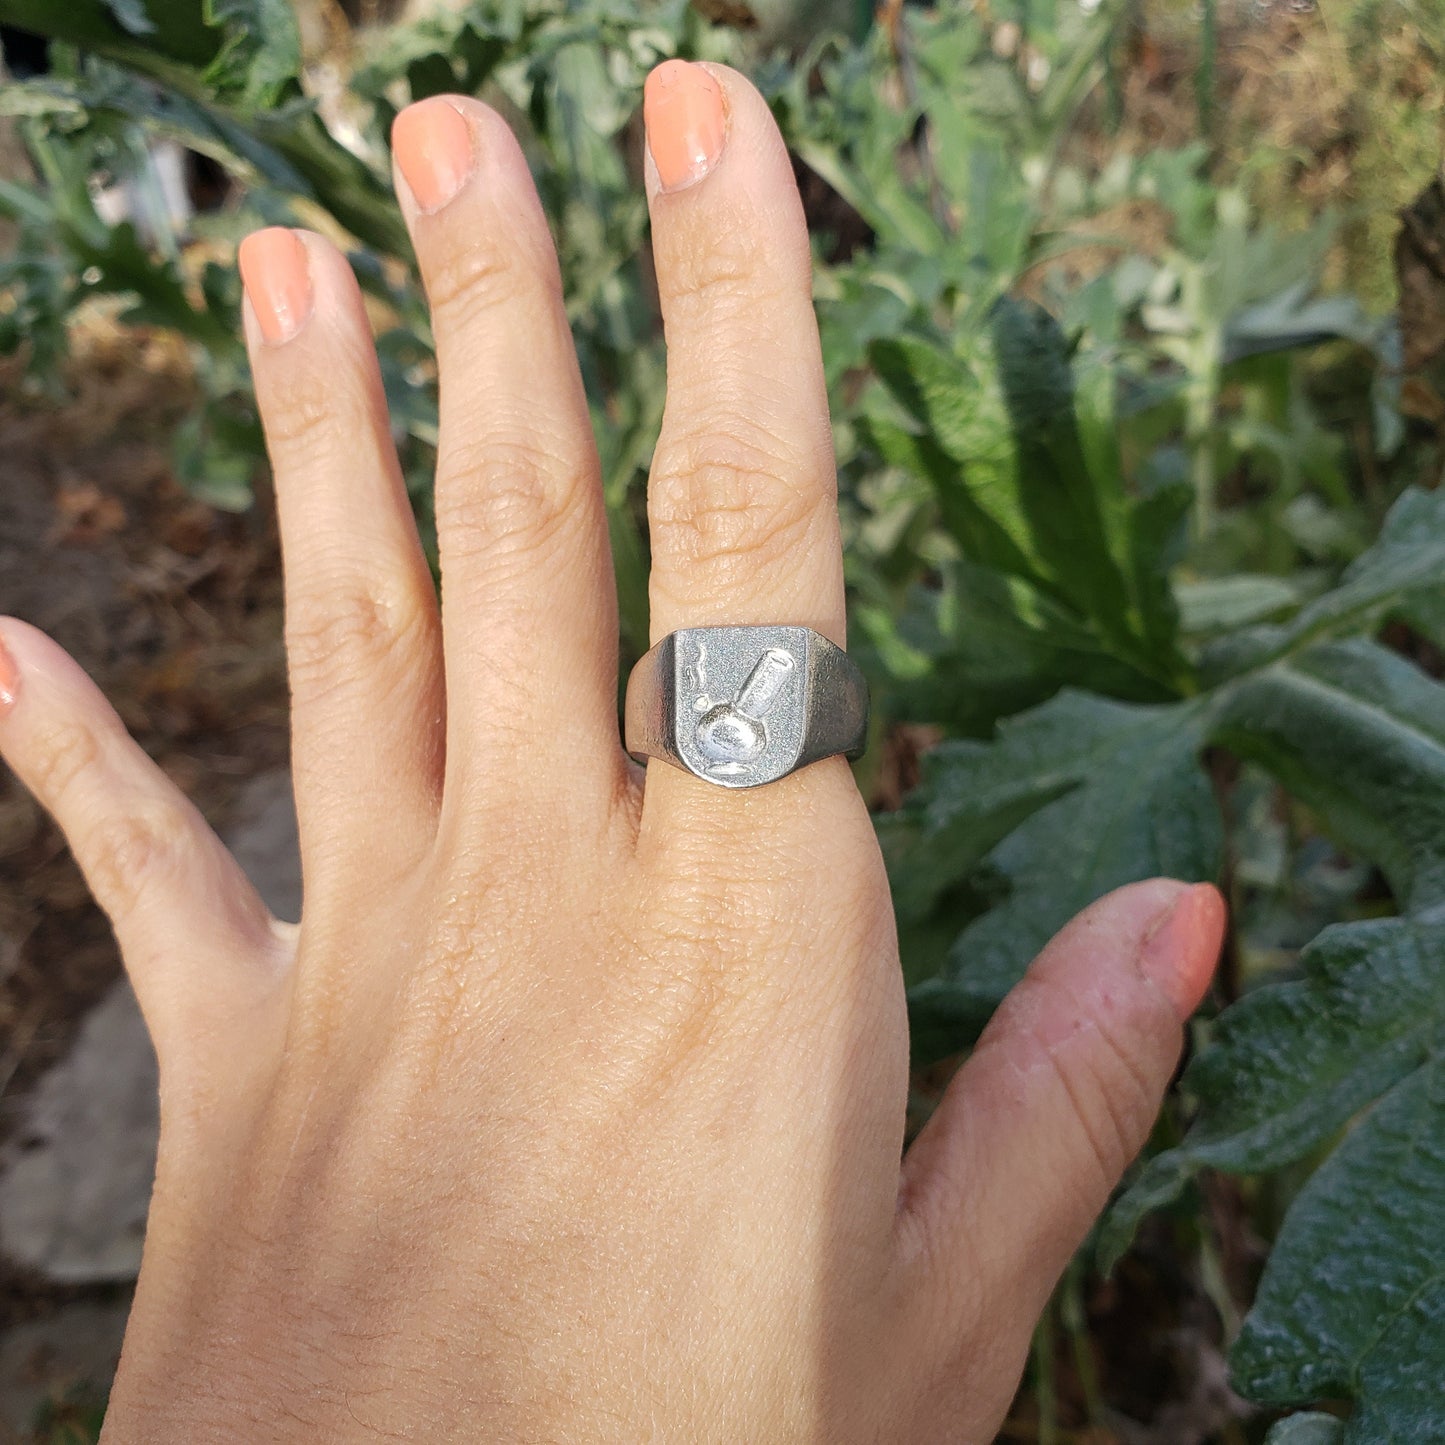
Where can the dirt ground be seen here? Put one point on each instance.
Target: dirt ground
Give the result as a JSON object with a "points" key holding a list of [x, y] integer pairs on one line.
{"points": [[175, 610]]}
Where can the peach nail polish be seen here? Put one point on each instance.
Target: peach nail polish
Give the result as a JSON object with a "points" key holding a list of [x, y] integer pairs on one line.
{"points": [[9, 680], [276, 272], [1180, 954], [682, 109], [432, 143]]}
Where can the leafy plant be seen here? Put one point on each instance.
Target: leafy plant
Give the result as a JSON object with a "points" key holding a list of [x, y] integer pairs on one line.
{"points": [[1010, 836]]}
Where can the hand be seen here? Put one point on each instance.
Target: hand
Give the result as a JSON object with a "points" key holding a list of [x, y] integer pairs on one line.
{"points": [[572, 1111]]}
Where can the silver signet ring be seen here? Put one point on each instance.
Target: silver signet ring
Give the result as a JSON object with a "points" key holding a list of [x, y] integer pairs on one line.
{"points": [[739, 706]]}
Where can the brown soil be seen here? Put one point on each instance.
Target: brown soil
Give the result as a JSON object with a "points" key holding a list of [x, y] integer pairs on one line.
{"points": [[174, 609]]}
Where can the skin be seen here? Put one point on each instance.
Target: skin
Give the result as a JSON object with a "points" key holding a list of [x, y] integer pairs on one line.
{"points": [[573, 1110]]}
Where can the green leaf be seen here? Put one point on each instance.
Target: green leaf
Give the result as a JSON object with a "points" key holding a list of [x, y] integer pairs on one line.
{"points": [[1358, 733], [1220, 604], [985, 645], [1073, 799], [131, 15], [1352, 1301], [1310, 1428], [1064, 501], [1401, 575], [964, 447], [1290, 1064], [986, 535], [260, 52], [1025, 488]]}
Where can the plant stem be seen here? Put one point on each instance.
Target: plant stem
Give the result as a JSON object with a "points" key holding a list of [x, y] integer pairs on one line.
{"points": [[1045, 1387], [1076, 1322]]}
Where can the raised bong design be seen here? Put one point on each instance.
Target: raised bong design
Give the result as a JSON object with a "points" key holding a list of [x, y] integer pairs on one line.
{"points": [[731, 735]]}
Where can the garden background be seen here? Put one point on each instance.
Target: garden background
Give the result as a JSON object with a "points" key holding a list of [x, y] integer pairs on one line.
{"points": [[1133, 315]]}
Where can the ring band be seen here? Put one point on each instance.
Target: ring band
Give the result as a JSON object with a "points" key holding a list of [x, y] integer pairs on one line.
{"points": [[740, 706]]}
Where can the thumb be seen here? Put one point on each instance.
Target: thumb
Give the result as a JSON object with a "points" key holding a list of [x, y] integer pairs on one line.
{"points": [[1038, 1126]]}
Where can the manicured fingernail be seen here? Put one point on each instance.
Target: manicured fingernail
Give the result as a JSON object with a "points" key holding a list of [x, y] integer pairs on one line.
{"points": [[276, 272], [682, 109], [432, 143], [1180, 953], [9, 679]]}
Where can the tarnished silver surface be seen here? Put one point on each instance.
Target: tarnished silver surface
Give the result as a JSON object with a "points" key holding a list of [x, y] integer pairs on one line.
{"points": [[739, 706]]}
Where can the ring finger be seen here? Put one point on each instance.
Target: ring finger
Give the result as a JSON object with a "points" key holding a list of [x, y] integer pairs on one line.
{"points": [[742, 498]]}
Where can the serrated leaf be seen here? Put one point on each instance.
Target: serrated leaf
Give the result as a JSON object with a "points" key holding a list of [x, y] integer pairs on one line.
{"points": [[1407, 560], [1065, 502], [260, 52], [1073, 799], [1156, 530], [1352, 1301], [1030, 484], [1005, 415], [984, 523], [1290, 1064], [1358, 733], [959, 408]]}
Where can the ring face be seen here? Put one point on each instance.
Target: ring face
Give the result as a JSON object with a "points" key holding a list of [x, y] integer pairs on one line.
{"points": [[739, 702], [740, 706]]}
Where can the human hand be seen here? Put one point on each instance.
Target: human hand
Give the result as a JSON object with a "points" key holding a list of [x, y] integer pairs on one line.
{"points": [[571, 1112]]}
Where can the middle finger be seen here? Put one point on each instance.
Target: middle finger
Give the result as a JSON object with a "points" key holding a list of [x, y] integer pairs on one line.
{"points": [[529, 608]]}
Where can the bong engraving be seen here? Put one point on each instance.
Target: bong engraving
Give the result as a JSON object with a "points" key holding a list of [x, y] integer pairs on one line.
{"points": [[731, 735]]}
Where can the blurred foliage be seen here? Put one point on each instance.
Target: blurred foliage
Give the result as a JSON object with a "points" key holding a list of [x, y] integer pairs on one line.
{"points": [[1124, 496]]}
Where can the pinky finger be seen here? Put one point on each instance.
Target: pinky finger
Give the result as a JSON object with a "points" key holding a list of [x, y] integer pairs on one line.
{"points": [[199, 944]]}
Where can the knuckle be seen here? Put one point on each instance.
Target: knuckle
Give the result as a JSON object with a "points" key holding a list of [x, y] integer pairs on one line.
{"points": [[728, 497], [126, 852], [501, 496], [738, 269], [62, 754], [309, 418], [478, 277], [336, 639]]}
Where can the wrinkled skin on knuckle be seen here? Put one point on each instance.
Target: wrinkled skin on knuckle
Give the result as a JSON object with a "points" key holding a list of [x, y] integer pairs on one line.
{"points": [[504, 502], [468, 284], [310, 418], [129, 851], [733, 501], [345, 632], [725, 272], [61, 755]]}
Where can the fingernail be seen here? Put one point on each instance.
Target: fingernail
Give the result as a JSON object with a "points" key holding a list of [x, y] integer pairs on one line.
{"points": [[9, 679], [682, 110], [432, 143], [1180, 953], [276, 272]]}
